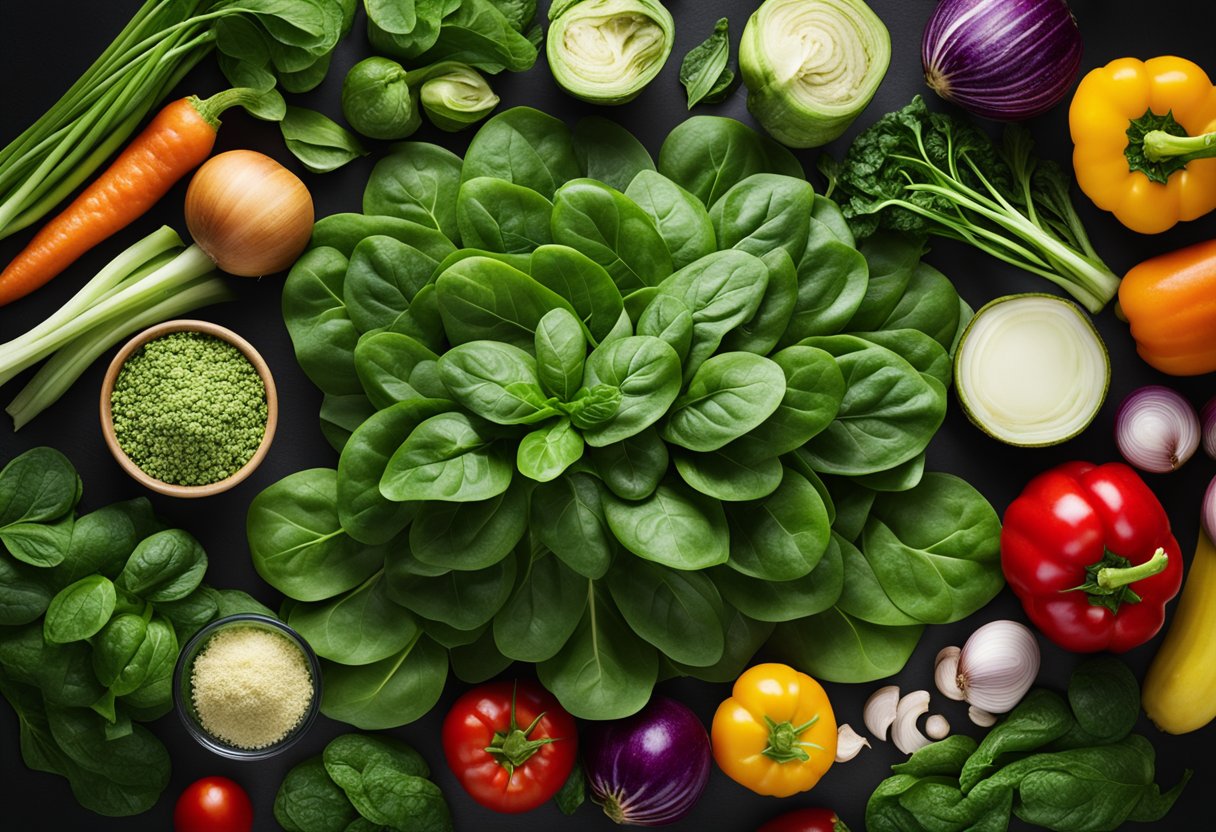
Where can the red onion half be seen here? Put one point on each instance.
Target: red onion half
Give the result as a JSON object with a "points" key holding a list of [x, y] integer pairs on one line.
{"points": [[648, 769], [1156, 429], [1002, 59]]}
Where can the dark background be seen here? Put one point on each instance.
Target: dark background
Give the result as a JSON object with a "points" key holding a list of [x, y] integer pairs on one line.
{"points": [[47, 44]]}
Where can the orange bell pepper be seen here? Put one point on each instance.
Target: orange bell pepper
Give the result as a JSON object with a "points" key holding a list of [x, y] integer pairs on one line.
{"points": [[1142, 133], [1170, 302], [776, 734]]}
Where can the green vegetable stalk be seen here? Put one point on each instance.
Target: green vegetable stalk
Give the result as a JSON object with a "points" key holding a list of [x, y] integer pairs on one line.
{"points": [[922, 172]]}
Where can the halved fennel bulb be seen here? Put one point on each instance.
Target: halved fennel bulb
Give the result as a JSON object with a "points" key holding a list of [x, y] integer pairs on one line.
{"points": [[1031, 370], [607, 51], [811, 66]]}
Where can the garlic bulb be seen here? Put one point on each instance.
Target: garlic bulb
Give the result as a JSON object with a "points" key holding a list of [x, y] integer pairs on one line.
{"points": [[849, 743], [937, 727], [879, 712], [904, 733], [997, 665]]}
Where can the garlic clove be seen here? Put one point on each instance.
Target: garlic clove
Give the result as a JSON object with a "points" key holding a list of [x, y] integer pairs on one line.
{"points": [[997, 665], [904, 733], [981, 718], [945, 674], [849, 743], [937, 727], [879, 712]]}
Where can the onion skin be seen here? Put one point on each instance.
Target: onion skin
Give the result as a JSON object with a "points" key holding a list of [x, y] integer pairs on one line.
{"points": [[648, 769], [1006, 60], [251, 215]]}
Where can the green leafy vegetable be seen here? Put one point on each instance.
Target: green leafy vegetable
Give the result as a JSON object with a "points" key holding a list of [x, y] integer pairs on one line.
{"points": [[704, 71]]}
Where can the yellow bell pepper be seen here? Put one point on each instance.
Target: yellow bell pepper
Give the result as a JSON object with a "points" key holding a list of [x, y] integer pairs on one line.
{"points": [[1143, 132], [776, 734]]}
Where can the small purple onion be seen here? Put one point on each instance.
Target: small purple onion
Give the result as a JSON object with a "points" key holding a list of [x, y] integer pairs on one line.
{"points": [[648, 769], [1208, 419], [1156, 429], [1002, 59], [1208, 516]]}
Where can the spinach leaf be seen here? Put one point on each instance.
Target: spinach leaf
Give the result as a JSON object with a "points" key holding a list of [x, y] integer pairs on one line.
{"points": [[365, 514], [496, 381], [777, 601], [297, 542], [928, 357], [403, 801], [573, 792], [321, 330], [708, 155], [680, 218], [102, 540], [24, 593], [484, 299], [308, 801], [567, 517], [478, 661], [781, 537], [525, 147], [763, 212], [417, 182], [345, 231], [188, 615], [477, 33], [704, 72], [449, 456], [725, 475], [668, 318], [561, 351], [864, 596], [837, 647], [461, 600], [469, 535], [929, 304], [633, 467], [65, 673], [347, 756], [387, 693], [317, 141], [832, 281], [902, 477], [647, 372], [945, 758], [358, 627], [763, 330], [612, 230], [1105, 698], [674, 526], [549, 450], [582, 283], [497, 215], [935, 549], [891, 261], [166, 566], [888, 414], [383, 278], [121, 652], [677, 611], [80, 610], [608, 152], [603, 669], [730, 394], [1041, 717], [742, 637], [543, 611], [38, 491]]}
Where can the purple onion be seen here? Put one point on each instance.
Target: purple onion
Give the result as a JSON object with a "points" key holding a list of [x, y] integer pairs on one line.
{"points": [[1002, 59], [1208, 516], [648, 769], [1156, 429], [1208, 418]]}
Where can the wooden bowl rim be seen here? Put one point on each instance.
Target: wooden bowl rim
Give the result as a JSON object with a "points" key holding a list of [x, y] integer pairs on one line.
{"points": [[216, 331]]}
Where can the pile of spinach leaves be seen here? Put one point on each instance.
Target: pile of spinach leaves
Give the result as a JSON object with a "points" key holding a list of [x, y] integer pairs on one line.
{"points": [[362, 782], [491, 35], [92, 611], [1068, 765], [618, 419]]}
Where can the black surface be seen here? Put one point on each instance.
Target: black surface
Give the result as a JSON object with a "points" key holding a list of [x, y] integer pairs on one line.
{"points": [[45, 45]]}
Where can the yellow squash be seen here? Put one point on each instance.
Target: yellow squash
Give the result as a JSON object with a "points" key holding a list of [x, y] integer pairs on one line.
{"points": [[1180, 690]]}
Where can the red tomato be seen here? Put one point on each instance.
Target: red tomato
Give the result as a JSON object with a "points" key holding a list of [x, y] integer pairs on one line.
{"points": [[213, 804], [510, 744], [806, 820]]}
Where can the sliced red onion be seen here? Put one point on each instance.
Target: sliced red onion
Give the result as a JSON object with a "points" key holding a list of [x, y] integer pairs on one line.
{"points": [[1156, 429], [1208, 418], [1208, 517], [1002, 59], [648, 769]]}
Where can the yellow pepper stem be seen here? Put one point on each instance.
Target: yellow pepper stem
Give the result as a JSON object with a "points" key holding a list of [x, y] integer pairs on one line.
{"points": [[1160, 145], [783, 743]]}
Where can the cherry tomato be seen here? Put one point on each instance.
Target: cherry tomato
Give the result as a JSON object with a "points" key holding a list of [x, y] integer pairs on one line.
{"points": [[510, 744], [806, 820], [213, 804]]}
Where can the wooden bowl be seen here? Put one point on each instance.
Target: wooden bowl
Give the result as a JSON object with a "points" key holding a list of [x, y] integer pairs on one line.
{"points": [[216, 331]]}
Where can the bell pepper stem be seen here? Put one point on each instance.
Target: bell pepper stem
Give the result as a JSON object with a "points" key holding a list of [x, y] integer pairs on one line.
{"points": [[783, 743], [1111, 577], [1160, 145]]}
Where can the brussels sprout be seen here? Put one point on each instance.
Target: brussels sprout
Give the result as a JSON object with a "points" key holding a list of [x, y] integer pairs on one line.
{"points": [[811, 66], [457, 96], [377, 101], [607, 51]]}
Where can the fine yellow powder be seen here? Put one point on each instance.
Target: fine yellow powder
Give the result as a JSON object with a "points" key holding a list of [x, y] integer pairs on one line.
{"points": [[251, 687]]}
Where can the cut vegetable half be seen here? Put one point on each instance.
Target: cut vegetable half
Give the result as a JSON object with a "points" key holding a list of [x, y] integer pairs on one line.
{"points": [[607, 51], [812, 66], [1031, 370]]}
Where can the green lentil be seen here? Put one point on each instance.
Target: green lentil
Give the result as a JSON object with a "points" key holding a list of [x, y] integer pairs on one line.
{"points": [[188, 409]]}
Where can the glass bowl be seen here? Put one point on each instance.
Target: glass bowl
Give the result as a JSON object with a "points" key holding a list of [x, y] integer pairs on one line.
{"points": [[183, 687]]}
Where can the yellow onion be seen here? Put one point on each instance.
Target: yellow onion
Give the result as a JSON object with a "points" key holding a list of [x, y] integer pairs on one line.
{"points": [[248, 213]]}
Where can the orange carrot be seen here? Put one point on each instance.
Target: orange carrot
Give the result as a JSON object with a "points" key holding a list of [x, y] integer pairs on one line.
{"points": [[176, 141]]}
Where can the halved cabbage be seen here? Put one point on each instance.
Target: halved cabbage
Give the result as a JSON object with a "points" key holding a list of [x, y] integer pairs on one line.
{"points": [[607, 51], [812, 66]]}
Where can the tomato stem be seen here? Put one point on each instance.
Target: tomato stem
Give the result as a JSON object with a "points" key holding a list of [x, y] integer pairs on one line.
{"points": [[514, 747]]}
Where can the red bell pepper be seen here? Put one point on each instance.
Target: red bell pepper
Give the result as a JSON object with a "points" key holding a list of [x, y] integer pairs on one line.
{"points": [[806, 820], [1089, 552]]}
